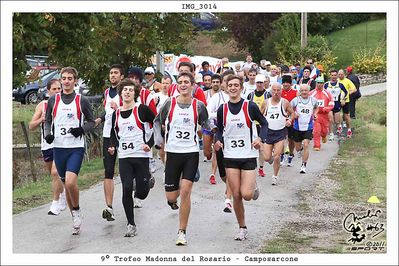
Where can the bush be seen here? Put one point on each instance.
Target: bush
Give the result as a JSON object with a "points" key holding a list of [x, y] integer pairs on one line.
{"points": [[367, 61]]}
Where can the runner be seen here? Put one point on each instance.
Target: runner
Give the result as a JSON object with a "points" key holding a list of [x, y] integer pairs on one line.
{"points": [[288, 92], [59, 201], [339, 93], [306, 109], [277, 112], [134, 147], [64, 125], [325, 102], [258, 97], [218, 99], [351, 88], [238, 137], [181, 116], [112, 101]]}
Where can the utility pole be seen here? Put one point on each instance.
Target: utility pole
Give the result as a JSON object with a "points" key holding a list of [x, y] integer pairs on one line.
{"points": [[160, 57], [304, 30]]}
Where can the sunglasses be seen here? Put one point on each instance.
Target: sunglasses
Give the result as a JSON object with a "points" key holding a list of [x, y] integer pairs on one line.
{"points": [[148, 73], [310, 63]]}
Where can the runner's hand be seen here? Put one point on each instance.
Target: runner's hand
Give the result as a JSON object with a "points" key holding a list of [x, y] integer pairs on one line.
{"points": [[49, 138], [76, 131], [146, 148], [111, 150], [218, 145]]}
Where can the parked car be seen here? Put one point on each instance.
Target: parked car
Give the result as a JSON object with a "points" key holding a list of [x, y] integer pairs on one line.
{"points": [[28, 93], [205, 21]]}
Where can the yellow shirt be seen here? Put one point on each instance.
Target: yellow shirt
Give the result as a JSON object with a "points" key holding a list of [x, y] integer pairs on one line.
{"points": [[350, 87]]}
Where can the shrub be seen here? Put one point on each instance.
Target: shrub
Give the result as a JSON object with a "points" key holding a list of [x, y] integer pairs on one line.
{"points": [[367, 61]]}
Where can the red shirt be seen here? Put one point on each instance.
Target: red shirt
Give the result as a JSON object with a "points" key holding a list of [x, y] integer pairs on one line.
{"points": [[289, 94], [147, 99]]}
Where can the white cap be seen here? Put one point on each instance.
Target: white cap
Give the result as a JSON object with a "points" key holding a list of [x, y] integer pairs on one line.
{"points": [[198, 77], [268, 63], [260, 78], [149, 70]]}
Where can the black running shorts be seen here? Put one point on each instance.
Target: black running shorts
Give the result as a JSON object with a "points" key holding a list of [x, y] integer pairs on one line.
{"points": [[242, 164], [301, 135], [178, 165], [108, 160]]}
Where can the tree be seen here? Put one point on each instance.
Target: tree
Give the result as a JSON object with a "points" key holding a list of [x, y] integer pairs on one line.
{"points": [[92, 42]]}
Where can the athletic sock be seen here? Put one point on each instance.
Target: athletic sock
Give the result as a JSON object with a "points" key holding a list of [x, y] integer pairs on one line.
{"points": [[110, 206], [245, 227], [76, 208]]}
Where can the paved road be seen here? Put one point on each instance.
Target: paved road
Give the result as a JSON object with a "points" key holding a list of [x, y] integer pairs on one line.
{"points": [[210, 230]]}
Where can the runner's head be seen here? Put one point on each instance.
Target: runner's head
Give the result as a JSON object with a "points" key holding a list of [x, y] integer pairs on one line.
{"points": [[185, 83], [234, 86], [276, 91], [129, 90], [319, 83], [53, 87], [69, 77], [304, 91], [224, 76], [306, 72], [216, 82], [286, 80], [166, 81], [260, 82], [333, 75], [341, 74], [116, 74]]}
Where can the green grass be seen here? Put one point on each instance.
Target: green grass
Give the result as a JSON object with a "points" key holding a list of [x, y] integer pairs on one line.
{"points": [[23, 113], [361, 172], [364, 171], [344, 42], [34, 194]]}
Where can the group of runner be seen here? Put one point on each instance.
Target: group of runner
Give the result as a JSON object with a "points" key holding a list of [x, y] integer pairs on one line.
{"points": [[236, 122]]}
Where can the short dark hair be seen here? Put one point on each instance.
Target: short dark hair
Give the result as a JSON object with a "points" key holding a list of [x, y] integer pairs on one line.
{"points": [[119, 67], [51, 82], [333, 70], [205, 63], [128, 82], [308, 68], [227, 72], [70, 70], [217, 76], [231, 77], [206, 74], [186, 74], [188, 64], [252, 70]]}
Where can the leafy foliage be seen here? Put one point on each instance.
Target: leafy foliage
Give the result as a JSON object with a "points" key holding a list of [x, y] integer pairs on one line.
{"points": [[367, 61], [91, 42]]}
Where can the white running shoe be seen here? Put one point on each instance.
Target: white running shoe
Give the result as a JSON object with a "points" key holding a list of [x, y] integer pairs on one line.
{"points": [[153, 167], [274, 180], [131, 230], [303, 169], [54, 208], [242, 234], [62, 203], [228, 207], [256, 192], [181, 238], [77, 218], [331, 138], [108, 214], [137, 203]]}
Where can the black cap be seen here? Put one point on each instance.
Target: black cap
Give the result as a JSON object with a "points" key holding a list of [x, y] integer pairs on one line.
{"points": [[135, 72], [286, 79]]}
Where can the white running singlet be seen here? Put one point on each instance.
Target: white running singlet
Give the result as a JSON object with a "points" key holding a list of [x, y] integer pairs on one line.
{"points": [[181, 128], [65, 117], [239, 133], [108, 112], [335, 90], [304, 108], [130, 134], [275, 115]]}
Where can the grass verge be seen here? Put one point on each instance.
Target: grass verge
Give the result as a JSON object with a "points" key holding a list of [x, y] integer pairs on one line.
{"points": [[358, 172], [34, 194]]}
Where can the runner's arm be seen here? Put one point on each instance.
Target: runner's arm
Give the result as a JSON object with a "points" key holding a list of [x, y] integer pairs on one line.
{"points": [[256, 115], [49, 116], [146, 115], [37, 118], [159, 122], [88, 113]]}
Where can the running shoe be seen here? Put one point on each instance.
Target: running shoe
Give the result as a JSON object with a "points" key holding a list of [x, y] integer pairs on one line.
{"points": [[344, 124], [153, 167], [316, 149], [77, 218], [282, 159], [256, 192], [197, 175], [260, 172], [303, 169], [324, 139], [331, 138], [152, 181], [108, 214], [181, 238], [212, 179], [289, 162], [274, 180], [62, 203], [339, 130], [349, 134], [228, 207], [54, 208], [242, 234], [137, 203], [131, 230], [173, 205]]}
